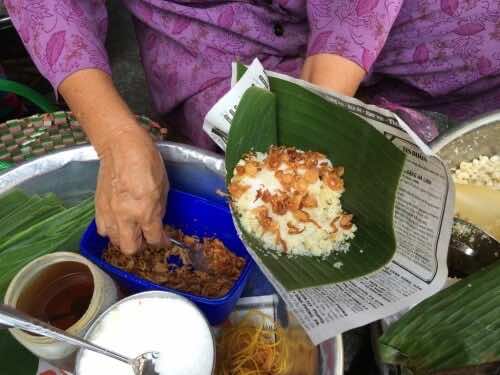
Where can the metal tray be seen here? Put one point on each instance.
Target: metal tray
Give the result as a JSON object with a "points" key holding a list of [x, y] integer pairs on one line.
{"points": [[72, 173], [467, 141]]}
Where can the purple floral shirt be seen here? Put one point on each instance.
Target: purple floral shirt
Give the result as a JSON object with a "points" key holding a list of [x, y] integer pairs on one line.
{"points": [[430, 55]]}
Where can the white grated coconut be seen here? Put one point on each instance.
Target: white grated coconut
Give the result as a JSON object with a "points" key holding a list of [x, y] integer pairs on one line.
{"points": [[482, 171]]}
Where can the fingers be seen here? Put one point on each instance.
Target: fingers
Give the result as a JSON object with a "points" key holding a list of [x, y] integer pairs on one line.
{"points": [[113, 233], [130, 198], [101, 223], [105, 222], [130, 237], [122, 233], [152, 224], [154, 233], [101, 205]]}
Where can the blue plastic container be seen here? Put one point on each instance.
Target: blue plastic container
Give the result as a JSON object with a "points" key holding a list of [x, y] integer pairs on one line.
{"points": [[194, 216]]}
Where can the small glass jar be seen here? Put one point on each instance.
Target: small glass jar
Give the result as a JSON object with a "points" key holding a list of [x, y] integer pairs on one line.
{"points": [[105, 293]]}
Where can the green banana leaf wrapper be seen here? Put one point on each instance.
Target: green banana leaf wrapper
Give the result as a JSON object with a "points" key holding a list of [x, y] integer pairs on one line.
{"points": [[290, 115]]}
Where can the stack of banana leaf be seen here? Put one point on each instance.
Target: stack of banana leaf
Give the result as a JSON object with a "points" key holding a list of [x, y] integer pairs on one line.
{"points": [[30, 227], [455, 332]]}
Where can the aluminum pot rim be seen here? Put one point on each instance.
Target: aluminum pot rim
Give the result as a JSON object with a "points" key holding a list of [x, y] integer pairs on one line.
{"points": [[55, 160], [464, 128]]}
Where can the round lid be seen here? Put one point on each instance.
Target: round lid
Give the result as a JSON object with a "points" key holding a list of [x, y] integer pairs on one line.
{"points": [[152, 321]]}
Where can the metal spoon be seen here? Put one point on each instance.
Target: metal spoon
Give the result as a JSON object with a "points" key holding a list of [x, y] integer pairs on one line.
{"points": [[180, 244], [10, 317], [196, 255]]}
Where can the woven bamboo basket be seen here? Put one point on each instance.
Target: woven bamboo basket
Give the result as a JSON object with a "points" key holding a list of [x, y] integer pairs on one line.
{"points": [[37, 135]]}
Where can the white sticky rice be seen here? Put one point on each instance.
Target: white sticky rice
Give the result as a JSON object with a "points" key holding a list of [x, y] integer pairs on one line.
{"points": [[317, 237]]}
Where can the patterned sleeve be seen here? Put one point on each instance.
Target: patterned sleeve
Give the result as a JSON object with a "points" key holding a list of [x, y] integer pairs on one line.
{"points": [[354, 29], [62, 36]]}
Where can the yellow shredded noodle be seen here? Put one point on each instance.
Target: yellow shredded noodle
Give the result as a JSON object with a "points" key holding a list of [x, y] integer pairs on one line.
{"points": [[253, 346]]}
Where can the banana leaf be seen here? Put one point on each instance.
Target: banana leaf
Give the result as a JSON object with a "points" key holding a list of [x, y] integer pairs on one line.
{"points": [[30, 212], [15, 358], [32, 227], [11, 200], [457, 328], [57, 232], [256, 138], [373, 166]]}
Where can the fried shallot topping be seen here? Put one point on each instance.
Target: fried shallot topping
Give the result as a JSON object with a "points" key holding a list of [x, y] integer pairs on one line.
{"points": [[308, 201], [295, 171], [268, 225], [292, 229], [237, 190], [304, 217], [208, 270], [333, 224], [346, 221]]}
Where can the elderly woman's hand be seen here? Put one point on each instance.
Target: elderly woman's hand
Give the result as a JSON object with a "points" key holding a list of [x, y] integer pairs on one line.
{"points": [[132, 182], [333, 72], [131, 191]]}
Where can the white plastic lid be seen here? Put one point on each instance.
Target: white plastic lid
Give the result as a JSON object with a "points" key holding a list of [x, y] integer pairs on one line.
{"points": [[151, 321]]}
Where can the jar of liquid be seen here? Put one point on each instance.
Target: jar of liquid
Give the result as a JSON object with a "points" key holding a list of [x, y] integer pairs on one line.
{"points": [[65, 290]]}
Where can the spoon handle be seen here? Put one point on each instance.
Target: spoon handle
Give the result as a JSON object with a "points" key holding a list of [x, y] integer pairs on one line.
{"points": [[13, 318], [179, 243]]}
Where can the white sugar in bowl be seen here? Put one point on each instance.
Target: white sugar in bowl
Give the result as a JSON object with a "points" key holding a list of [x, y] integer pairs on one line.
{"points": [[151, 321]]}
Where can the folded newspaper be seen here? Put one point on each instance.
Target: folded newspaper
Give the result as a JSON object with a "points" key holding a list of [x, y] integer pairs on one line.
{"points": [[422, 222]]}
